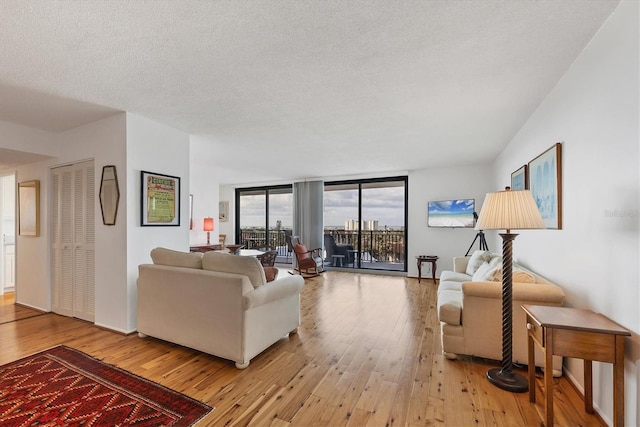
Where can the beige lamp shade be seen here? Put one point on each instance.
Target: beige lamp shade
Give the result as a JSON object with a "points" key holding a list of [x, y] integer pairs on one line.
{"points": [[509, 210]]}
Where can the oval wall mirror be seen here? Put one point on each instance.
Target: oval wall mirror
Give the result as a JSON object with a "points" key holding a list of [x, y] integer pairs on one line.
{"points": [[109, 195]]}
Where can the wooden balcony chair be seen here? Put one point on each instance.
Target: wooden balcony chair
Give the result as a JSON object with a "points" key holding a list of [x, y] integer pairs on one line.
{"points": [[288, 238], [310, 262]]}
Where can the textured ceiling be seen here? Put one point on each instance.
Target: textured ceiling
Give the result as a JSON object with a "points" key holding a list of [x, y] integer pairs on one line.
{"points": [[293, 89]]}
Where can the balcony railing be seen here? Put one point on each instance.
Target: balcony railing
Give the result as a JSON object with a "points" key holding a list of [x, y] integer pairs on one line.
{"points": [[378, 246]]}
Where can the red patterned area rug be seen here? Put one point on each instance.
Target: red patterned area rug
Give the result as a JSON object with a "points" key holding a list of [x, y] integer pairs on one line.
{"points": [[65, 387]]}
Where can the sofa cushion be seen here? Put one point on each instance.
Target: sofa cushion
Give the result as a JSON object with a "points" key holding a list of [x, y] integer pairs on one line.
{"points": [[449, 286], [517, 275], [477, 259], [169, 257], [270, 273], [450, 307], [495, 261], [226, 263], [483, 273], [454, 276], [521, 276], [302, 251]]}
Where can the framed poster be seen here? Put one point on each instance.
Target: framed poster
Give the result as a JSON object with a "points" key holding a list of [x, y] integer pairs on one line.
{"points": [[160, 199], [545, 183], [223, 208], [29, 208], [519, 179]]}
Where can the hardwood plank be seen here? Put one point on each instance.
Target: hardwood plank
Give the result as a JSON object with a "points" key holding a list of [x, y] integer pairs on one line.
{"points": [[367, 353]]}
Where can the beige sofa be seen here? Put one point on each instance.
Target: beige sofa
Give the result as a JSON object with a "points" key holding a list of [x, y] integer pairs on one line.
{"points": [[217, 303], [470, 308]]}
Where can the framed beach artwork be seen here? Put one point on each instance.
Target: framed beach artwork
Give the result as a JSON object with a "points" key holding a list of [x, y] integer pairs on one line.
{"points": [[519, 179], [545, 183], [160, 201]]}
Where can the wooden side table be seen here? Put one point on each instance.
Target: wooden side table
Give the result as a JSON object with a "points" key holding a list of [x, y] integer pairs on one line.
{"points": [[580, 334], [204, 248], [427, 258], [207, 248]]}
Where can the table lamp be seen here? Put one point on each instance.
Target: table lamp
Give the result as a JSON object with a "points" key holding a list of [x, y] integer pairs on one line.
{"points": [[509, 210], [208, 227]]}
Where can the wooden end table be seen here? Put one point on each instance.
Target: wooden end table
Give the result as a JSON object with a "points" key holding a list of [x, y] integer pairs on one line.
{"points": [[427, 258], [580, 334], [207, 248]]}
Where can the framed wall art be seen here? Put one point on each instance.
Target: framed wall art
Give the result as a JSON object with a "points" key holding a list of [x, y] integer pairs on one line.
{"points": [[29, 208], [519, 179], [160, 199], [545, 183], [223, 208], [190, 211], [109, 195]]}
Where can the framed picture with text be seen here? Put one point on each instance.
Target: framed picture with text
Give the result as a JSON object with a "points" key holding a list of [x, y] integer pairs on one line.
{"points": [[545, 183], [160, 199]]}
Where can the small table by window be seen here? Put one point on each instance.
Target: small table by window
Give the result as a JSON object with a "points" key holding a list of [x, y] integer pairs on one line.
{"points": [[580, 334], [427, 258], [337, 259], [352, 257]]}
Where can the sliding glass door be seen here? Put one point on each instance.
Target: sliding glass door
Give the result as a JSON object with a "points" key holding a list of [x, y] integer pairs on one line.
{"points": [[265, 216], [367, 221]]}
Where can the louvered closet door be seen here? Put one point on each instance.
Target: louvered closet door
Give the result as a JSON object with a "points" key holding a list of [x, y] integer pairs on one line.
{"points": [[73, 247]]}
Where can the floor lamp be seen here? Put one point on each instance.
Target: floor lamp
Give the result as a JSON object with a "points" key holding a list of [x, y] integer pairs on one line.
{"points": [[509, 210]]}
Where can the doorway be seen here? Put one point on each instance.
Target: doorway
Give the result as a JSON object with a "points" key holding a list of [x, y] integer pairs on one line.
{"points": [[72, 218], [8, 233]]}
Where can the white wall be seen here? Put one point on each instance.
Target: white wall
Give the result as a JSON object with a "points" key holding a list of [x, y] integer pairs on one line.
{"points": [[133, 144], [32, 253], [151, 147], [32, 274], [22, 138], [462, 182], [594, 112], [104, 141], [205, 189], [228, 193]]}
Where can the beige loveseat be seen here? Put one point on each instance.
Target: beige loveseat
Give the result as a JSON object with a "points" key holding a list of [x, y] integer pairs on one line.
{"points": [[470, 308], [216, 302]]}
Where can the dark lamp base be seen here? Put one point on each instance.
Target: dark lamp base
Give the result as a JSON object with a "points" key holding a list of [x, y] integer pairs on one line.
{"points": [[511, 381]]}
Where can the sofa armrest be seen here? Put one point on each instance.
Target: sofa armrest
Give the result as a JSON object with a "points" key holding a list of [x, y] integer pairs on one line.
{"points": [[273, 291], [460, 264], [530, 292]]}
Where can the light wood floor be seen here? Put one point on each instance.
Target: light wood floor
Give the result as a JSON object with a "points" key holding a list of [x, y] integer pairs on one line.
{"points": [[367, 354]]}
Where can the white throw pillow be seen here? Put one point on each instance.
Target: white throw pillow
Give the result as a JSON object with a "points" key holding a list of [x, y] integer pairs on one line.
{"points": [[495, 261], [227, 263], [477, 259], [482, 272], [164, 256], [496, 274]]}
